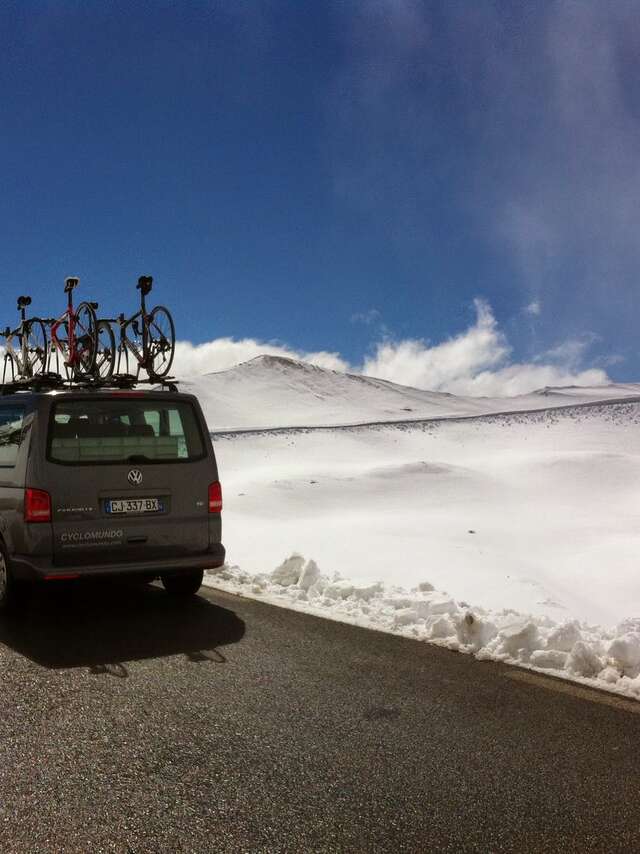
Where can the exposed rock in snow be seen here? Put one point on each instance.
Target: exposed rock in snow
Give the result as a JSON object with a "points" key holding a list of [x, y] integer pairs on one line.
{"points": [[425, 587], [473, 631]]}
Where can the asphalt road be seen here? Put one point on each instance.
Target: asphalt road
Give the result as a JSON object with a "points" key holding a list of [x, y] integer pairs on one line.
{"points": [[134, 723]]}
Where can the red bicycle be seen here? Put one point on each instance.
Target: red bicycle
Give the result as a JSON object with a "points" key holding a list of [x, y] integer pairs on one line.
{"points": [[74, 337]]}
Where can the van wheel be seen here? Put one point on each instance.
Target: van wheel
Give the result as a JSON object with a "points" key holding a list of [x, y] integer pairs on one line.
{"points": [[12, 592], [185, 584]]}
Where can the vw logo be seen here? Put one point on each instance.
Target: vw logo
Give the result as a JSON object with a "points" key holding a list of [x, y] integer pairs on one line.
{"points": [[135, 477]]}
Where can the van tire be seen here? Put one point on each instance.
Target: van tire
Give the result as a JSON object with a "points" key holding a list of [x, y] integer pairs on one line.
{"points": [[186, 583], [12, 593]]}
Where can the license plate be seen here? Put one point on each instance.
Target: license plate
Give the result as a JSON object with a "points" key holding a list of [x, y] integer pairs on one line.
{"points": [[134, 505]]}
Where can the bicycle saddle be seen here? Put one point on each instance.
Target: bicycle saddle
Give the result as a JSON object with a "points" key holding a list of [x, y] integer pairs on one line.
{"points": [[23, 302], [70, 283], [144, 284]]}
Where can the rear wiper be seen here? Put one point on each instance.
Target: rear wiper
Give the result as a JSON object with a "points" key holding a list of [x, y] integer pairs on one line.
{"points": [[138, 458]]}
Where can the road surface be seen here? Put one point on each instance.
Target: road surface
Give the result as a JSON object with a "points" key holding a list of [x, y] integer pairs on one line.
{"points": [[134, 723]]}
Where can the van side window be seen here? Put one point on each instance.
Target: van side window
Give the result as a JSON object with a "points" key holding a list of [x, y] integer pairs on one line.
{"points": [[11, 421]]}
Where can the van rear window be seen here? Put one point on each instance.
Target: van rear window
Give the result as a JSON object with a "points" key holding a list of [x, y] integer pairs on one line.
{"points": [[124, 430]]}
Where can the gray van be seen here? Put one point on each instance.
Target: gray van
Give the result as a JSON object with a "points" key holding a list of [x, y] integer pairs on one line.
{"points": [[96, 483]]}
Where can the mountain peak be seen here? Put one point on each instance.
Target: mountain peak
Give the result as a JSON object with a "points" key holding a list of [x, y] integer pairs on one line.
{"points": [[267, 360]]}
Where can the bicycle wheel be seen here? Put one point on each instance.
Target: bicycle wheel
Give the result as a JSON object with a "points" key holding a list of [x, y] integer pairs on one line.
{"points": [[37, 346], [161, 342], [106, 351], [9, 369], [86, 335]]}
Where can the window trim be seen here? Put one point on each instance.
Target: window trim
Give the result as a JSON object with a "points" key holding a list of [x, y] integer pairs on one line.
{"points": [[163, 400]]}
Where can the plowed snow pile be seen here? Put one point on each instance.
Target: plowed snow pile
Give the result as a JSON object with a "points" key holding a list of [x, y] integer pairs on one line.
{"points": [[513, 536]]}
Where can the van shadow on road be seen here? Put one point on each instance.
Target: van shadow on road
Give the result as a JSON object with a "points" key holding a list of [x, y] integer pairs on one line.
{"points": [[101, 624]]}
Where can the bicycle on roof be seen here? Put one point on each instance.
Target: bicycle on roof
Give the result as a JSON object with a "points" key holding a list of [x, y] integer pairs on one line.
{"points": [[74, 336], [147, 339], [26, 346]]}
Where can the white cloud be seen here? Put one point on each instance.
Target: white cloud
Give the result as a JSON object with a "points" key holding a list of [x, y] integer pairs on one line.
{"points": [[534, 308], [522, 378], [475, 362], [480, 347], [224, 353], [571, 352]]}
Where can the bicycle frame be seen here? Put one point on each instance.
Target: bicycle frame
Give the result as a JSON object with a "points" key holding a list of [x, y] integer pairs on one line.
{"points": [[69, 317], [125, 344]]}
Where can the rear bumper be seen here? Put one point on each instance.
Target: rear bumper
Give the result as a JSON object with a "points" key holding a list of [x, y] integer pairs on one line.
{"points": [[28, 567]]}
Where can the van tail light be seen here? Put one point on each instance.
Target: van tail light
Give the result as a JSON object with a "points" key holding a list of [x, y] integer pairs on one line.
{"points": [[215, 497], [37, 505]]}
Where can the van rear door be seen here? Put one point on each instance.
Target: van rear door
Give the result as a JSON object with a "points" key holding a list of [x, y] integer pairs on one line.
{"points": [[130, 474]]}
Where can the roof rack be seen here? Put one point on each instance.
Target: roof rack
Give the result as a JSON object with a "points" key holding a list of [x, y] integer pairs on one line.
{"points": [[125, 381], [42, 382], [54, 382]]}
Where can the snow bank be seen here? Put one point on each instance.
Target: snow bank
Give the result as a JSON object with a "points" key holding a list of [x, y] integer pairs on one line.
{"points": [[529, 511], [534, 512], [571, 649]]}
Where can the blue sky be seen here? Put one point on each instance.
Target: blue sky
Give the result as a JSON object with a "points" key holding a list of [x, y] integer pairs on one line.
{"points": [[341, 177]]}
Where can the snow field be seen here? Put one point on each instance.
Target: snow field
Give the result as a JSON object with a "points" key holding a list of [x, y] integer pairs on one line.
{"points": [[539, 513], [532, 518]]}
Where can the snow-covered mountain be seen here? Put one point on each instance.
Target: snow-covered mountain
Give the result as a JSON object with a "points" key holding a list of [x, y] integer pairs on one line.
{"points": [[525, 513], [272, 391]]}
